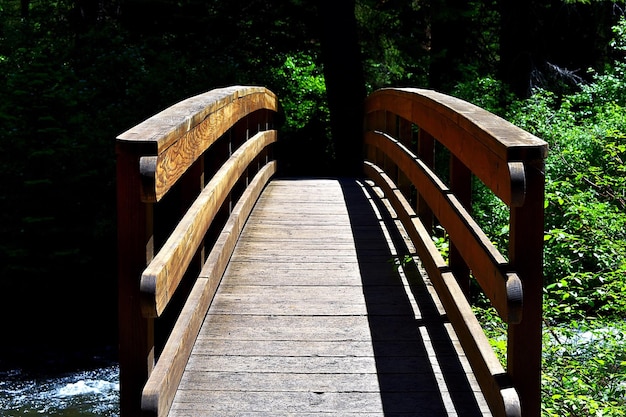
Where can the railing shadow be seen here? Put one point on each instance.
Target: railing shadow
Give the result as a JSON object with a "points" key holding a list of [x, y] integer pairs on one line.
{"points": [[419, 370]]}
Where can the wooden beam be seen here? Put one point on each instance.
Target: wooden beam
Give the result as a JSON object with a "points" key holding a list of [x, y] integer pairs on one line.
{"points": [[178, 135], [483, 142], [162, 276], [160, 389], [495, 384], [134, 249], [526, 255], [492, 271]]}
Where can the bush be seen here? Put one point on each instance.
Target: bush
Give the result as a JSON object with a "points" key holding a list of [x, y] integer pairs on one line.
{"points": [[584, 364], [584, 370]]}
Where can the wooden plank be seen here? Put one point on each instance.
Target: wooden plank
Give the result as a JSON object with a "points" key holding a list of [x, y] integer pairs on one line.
{"points": [[489, 267], [297, 382], [418, 404], [162, 276], [316, 348], [285, 328], [159, 391], [302, 274]]}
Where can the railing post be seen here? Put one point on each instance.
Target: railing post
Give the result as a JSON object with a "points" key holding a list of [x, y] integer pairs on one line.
{"points": [[135, 247], [425, 152], [376, 121], [405, 136], [526, 256], [461, 185], [190, 188]]}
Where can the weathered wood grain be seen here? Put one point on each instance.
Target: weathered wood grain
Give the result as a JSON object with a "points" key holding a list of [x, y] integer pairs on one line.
{"points": [[162, 276], [162, 383], [451, 120], [314, 318], [177, 136], [489, 372]]}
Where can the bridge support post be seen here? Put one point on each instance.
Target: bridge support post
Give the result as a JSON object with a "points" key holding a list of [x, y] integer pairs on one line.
{"points": [[135, 249], [526, 256]]}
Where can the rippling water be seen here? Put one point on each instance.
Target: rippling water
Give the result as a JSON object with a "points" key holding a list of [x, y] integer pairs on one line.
{"points": [[85, 393]]}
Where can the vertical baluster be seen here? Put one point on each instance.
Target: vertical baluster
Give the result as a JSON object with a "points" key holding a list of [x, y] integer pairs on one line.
{"points": [[404, 134], [215, 157], [461, 186], [192, 184], [391, 128], [268, 153], [425, 152], [377, 122], [241, 132]]}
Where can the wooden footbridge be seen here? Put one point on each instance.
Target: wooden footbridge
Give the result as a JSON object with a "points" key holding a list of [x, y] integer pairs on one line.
{"points": [[243, 292]]}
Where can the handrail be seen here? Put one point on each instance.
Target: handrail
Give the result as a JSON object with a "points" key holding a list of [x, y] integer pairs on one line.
{"points": [[490, 268], [189, 176], [162, 276], [176, 137], [509, 161], [224, 135]]}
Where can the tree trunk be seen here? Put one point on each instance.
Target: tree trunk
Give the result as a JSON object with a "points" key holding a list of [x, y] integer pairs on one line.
{"points": [[345, 86], [520, 48], [450, 48]]}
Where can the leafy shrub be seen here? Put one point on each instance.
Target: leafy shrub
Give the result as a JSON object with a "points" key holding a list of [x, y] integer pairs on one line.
{"points": [[301, 87], [584, 370], [585, 249], [584, 364]]}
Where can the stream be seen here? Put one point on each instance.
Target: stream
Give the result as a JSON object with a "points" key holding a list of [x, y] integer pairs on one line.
{"points": [[86, 393]]}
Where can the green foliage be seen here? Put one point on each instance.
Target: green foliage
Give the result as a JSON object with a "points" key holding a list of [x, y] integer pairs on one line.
{"points": [[585, 221], [300, 84], [585, 249], [495, 329], [584, 364], [486, 92], [584, 370], [492, 215]]}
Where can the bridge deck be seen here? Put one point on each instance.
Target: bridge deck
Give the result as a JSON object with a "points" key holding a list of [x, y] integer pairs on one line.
{"points": [[312, 318]]}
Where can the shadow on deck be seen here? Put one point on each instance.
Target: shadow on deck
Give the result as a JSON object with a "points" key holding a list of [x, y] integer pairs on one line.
{"points": [[321, 318], [308, 307], [419, 362]]}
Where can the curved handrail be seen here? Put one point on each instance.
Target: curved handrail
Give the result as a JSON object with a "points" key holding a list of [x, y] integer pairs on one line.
{"points": [[174, 138], [164, 273], [227, 135], [509, 161], [487, 145]]}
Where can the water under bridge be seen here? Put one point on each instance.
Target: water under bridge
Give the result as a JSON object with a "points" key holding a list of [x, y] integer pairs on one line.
{"points": [[246, 292]]}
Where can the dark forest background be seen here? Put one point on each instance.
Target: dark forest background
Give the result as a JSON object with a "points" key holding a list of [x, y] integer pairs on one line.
{"points": [[75, 74]]}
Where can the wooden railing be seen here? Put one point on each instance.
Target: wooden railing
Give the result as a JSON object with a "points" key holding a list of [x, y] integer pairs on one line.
{"points": [[186, 179], [402, 129]]}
